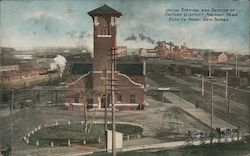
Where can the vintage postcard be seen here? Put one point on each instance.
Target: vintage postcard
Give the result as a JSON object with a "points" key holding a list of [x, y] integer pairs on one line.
{"points": [[124, 77]]}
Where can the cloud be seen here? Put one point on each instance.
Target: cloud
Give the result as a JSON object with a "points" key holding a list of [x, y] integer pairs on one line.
{"points": [[47, 23], [43, 16]]}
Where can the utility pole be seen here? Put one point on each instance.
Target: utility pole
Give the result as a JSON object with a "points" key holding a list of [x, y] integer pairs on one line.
{"points": [[11, 120], [212, 103], [113, 60], [230, 95], [236, 65], [106, 107], [226, 87], [106, 100], [162, 98], [228, 105], [202, 85], [226, 93], [210, 66], [212, 110]]}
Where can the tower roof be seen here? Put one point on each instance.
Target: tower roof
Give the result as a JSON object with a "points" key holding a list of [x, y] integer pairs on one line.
{"points": [[104, 10]]}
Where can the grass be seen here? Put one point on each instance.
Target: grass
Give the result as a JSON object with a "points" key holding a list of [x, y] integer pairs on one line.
{"points": [[60, 134], [228, 149]]}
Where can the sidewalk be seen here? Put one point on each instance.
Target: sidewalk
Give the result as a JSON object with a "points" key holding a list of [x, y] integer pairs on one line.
{"points": [[197, 113], [57, 151]]}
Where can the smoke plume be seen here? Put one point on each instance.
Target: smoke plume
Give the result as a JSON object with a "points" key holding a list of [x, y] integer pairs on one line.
{"points": [[140, 37], [131, 38], [146, 38], [59, 63]]}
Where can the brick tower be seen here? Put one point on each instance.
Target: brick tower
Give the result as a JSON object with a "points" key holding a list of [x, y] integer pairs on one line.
{"points": [[104, 23]]}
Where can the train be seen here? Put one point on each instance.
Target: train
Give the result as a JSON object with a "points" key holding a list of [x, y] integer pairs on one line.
{"points": [[43, 77]]}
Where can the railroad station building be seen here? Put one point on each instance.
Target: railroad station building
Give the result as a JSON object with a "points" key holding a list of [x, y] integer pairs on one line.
{"points": [[93, 77]]}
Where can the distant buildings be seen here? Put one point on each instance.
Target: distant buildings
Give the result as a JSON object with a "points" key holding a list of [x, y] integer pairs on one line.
{"points": [[168, 50], [216, 57], [18, 70], [223, 58], [121, 51], [12, 77]]}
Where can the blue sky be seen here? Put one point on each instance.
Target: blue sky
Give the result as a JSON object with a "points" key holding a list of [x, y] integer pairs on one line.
{"points": [[26, 24]]}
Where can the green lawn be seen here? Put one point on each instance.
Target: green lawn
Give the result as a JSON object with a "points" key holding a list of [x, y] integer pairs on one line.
{"points": [[228, 149], [61, 133]]}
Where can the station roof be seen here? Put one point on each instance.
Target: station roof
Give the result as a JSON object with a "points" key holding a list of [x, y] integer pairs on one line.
{"points": [[81, 68], [104, 10], [130, 69]]}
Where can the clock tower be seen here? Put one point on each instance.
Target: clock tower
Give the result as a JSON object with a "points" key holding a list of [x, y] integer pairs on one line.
{"points": [[104, 24]]}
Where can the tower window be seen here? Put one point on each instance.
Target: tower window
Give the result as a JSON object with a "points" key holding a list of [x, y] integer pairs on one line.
{"points": [[96, 20], [104, 31], [112, 21]]}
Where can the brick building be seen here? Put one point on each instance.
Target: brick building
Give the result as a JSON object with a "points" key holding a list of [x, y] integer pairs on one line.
{"points": [[223, 58], [91, 77]]}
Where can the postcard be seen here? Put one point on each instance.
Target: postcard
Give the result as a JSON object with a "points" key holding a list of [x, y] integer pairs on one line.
{"points": [[116, 77]]}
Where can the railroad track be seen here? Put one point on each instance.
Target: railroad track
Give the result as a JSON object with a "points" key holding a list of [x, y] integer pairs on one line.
{"points": [[162, 81]]}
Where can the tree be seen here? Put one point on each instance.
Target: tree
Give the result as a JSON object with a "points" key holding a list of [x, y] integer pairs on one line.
{"points": [[81, 91]]}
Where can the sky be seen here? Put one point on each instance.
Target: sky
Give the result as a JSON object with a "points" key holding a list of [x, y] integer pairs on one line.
{"points": [[42, 23]]}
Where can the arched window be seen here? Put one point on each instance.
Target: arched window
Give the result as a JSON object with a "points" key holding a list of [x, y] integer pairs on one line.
{"points": [[104, 27]]}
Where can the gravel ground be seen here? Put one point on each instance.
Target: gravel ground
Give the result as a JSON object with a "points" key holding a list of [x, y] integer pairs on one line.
{"points": [[161, 123]]}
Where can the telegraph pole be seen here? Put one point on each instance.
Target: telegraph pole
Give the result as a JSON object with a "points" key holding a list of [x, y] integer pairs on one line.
{"points": [[212, 103], [210, 67], [11, 120], [112, 85], [212, 110], [226, 93], [226, 87], [106, 100], [202, 85], [162, 98], [236, 65], [106, 107]]}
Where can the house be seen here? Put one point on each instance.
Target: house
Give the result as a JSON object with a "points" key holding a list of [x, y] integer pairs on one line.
{"points": [[223, 58]]}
